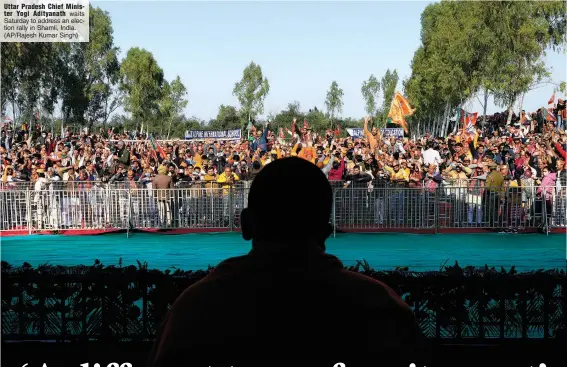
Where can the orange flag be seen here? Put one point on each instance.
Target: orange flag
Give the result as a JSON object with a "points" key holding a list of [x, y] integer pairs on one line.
{"points": [[399, 110]]}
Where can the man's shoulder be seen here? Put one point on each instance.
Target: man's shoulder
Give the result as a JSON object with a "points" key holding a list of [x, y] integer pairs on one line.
{"points": [[345, 284], [368, 290]]}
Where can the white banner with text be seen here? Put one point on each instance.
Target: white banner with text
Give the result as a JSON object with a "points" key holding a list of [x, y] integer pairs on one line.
{"points": [[235, 134]]}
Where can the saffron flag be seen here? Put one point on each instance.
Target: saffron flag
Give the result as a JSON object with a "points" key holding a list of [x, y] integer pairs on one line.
{"points": [[470, 126], [468, 120], [399, 110], [552, 99], [157, 147], [548, 115]]}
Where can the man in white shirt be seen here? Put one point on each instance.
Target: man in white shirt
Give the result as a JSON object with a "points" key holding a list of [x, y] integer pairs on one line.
{"points": [[431, 156]]}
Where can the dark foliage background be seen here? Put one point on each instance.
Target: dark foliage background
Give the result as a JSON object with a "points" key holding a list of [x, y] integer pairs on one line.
{"points": [[108, 303]]}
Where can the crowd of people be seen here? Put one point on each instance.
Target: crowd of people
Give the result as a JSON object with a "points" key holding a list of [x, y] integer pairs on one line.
{"points": [[495, 175]]}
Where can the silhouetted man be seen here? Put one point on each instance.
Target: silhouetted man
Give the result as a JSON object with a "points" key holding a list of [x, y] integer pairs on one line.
{"points": [[287, 301]]}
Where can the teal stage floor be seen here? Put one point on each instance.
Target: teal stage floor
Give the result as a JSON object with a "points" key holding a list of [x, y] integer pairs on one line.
{"points": [[382, 251]]}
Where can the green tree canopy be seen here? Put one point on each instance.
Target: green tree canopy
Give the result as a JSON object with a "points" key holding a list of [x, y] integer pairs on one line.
{"points": [[370, 89], [334, 101], [251, 91], [494, 46], [227, 118], [142, 81]]}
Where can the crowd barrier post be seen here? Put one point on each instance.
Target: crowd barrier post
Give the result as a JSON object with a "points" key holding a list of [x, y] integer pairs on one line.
{"points": [[436, 210], [231, 207], [29, 210], [333, 214], [129, 223]]}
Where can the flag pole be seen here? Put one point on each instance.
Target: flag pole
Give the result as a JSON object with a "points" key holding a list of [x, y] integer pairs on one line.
{"points": [[248, 128]]}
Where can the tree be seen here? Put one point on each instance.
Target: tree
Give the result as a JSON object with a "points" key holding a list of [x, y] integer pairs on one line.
{"points": [[446, 67], [284, 118], [294, 107], [142, 81], [91, 74], [497, 49], [522, 33], [370, 89], [173, 101], [30, 78], [9, 79], [251, 91], [389, 83], [102, 69], [334, 101], [227, 118]]}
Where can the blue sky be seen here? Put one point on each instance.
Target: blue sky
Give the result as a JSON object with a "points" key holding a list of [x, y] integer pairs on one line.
{"points": [[301, 46]]}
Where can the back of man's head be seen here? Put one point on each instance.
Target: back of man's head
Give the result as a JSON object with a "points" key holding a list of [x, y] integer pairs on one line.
{"points": [[290, 199]]}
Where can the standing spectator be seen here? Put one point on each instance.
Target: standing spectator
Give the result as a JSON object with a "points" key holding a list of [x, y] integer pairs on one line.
{"points": [[560, 197], [399, 179], [513, 201], [545, 191], [358, 181], [474, 197], [227, 179], [161, 183], [492, 195]]}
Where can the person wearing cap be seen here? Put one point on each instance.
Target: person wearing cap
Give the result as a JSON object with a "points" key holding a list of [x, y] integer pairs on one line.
{"points": [[162, 183]]}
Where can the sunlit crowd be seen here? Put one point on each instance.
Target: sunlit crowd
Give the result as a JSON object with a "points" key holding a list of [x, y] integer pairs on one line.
{"points": [[517, 169]]}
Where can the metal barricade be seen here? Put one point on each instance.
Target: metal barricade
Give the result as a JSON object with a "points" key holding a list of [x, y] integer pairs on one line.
{"points": [[85, 208], [14, 210], [209, 205], [509, 209], [559, 209], [27, 185], [382, 208]]}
